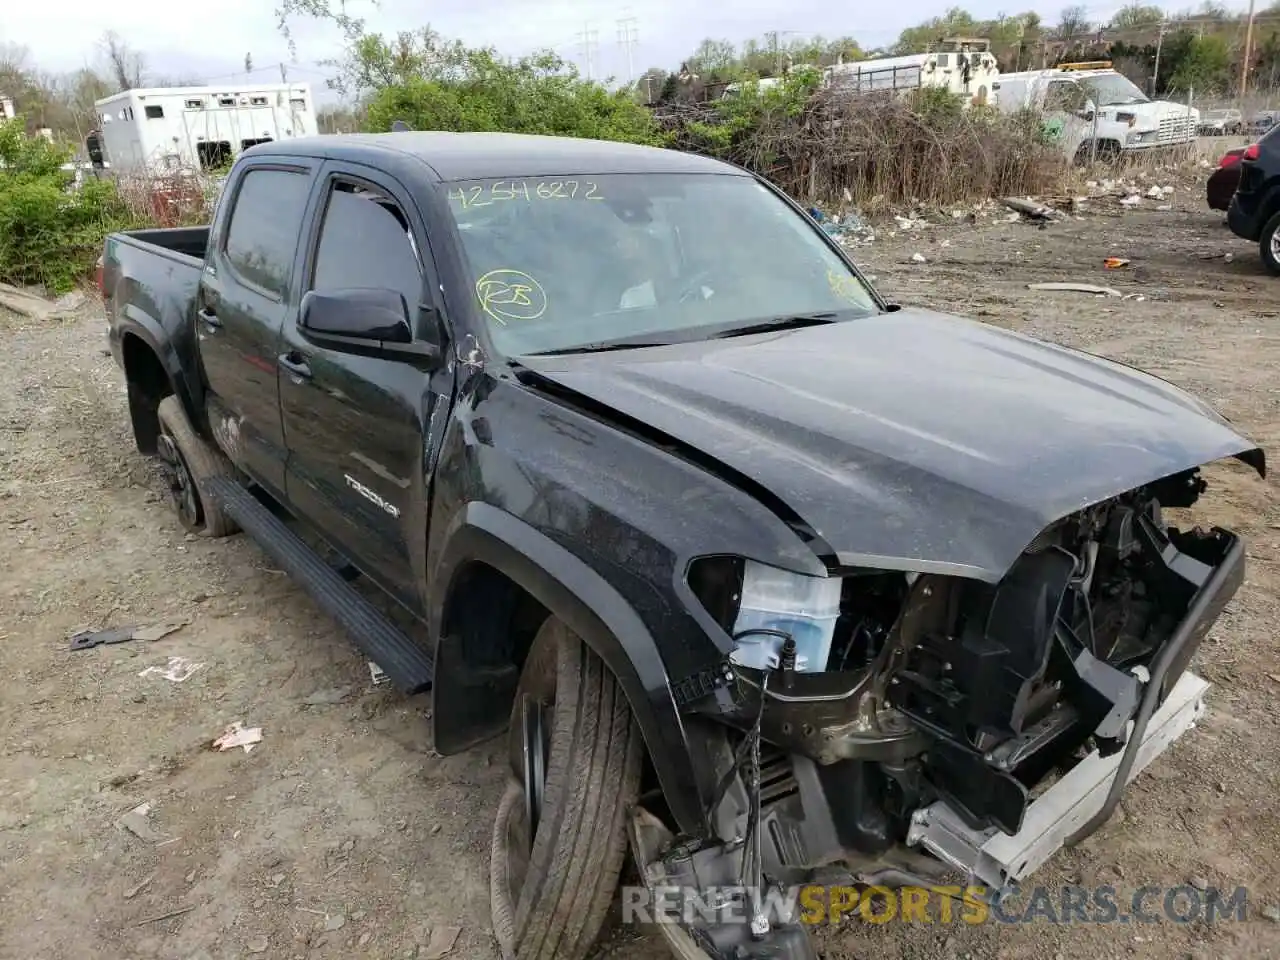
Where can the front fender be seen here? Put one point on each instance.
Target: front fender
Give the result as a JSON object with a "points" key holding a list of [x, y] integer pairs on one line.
{"points": [[595, 611]]}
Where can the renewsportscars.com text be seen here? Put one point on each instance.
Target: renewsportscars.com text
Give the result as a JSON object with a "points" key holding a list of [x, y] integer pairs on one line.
{"points": [[814, 904]]}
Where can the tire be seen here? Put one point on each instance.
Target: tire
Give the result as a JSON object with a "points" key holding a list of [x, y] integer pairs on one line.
{"points": [[190, 463], [1269, 245], [549, 898]]}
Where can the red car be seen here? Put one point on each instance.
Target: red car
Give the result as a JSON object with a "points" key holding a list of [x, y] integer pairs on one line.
{"points": [[1223, 181]]}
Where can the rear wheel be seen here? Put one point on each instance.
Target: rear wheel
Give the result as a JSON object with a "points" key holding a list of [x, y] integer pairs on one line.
{"points": [[1269, 245], [188, 464], [560, 835]]}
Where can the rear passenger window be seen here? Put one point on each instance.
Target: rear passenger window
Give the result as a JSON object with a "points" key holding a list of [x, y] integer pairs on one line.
{"points": [[262, 237], [365, 241]]}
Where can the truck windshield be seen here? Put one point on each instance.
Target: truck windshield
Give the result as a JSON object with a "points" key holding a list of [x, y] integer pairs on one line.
{"points": [[1112, 89], [579, 263]]}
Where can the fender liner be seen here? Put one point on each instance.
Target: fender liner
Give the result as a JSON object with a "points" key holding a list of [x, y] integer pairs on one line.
{"points": [[134, 322], [594, 610]]}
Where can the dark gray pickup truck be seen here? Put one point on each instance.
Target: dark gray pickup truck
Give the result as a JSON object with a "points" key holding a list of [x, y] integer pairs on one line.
{"points": [[761, 575]]}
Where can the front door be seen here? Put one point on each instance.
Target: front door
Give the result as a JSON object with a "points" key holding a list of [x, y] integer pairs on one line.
{"points": [[245, 294], [358, 469]]}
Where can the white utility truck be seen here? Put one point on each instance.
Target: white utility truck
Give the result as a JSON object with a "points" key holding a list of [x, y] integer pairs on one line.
{"points": [[1092, 109]]}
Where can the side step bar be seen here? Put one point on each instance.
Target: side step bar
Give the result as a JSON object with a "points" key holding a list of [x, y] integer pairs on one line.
{"points": [[406, 664]]}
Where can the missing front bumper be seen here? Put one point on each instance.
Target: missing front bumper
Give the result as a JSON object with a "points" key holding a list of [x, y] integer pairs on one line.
{"points": [[998, 859]]}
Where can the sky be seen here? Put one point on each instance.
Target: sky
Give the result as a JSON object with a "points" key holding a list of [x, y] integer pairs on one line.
{"points": [[212, 45]]}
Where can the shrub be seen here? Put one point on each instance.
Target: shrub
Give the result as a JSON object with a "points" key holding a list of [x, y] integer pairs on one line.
{"points": [[884, 150], [540, 94], [50, 234]]}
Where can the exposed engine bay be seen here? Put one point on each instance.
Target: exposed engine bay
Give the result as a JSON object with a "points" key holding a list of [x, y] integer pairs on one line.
{"points": [[944, 693]]}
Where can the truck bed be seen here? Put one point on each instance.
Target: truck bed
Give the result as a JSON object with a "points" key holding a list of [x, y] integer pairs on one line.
{"points": [[150, 279], [190, 242]]}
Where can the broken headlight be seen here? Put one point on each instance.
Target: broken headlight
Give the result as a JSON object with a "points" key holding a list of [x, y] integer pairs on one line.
{"points": [[760, 606]]}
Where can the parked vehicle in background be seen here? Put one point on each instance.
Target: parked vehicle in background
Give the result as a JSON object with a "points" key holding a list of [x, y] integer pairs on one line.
{"points": [[1254, 213], [1097, 107], [204, 128], [1221, 123], [1261, 122], [962, 65], [1224, 180]]}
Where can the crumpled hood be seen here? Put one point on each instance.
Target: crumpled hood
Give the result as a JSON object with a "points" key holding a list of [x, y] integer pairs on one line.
{"points": [[911, 440]]}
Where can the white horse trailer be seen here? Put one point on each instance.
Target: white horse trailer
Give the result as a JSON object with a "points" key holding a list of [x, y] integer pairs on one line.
{"points": [[967, 72], [199, 127]]}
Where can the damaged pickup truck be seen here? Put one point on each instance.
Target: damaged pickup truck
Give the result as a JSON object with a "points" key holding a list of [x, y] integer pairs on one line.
{"points": [[761, 575]]}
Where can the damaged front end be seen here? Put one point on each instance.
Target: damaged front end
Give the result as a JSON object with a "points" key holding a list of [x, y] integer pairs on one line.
{"points": [[953, 724]]}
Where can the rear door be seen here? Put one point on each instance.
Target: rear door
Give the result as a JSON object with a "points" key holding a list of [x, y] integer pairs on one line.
{"points": [[246, 293], [359, 466]]}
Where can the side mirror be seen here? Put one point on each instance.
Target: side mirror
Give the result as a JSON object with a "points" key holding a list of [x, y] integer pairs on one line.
{"points": [[371, 322]]}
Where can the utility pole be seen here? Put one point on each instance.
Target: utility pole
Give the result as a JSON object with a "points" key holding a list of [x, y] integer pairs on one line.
{"points": [[284, 74], [1155, 73], [1248, 52], [589, 40], [627, 39]]}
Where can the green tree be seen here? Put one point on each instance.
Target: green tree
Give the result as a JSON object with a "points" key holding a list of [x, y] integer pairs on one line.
{"points": [[1204, 67], [1136, 15], [954, 22]]}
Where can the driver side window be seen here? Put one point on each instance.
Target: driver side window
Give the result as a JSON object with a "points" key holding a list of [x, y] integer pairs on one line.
{"points": [[365, 241], [1064, 95]]}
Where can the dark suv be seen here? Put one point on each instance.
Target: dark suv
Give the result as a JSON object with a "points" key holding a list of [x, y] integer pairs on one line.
{"points": [[1254, 213]]}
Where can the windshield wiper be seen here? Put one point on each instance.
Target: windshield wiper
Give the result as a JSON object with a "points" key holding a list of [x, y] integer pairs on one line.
{"points": [[778, 323]]}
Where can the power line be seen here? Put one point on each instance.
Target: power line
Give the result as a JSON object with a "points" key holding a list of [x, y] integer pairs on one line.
{"points": [[627, 39], [589, 43]]}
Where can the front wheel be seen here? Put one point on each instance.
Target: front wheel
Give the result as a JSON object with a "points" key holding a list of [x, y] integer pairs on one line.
{"points": [[1269, 245], [560, 835]]}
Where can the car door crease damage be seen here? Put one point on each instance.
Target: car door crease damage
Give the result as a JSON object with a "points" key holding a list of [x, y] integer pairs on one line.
{"points": [[846, 584]]}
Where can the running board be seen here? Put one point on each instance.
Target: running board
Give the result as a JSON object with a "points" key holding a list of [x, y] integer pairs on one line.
{"points": [[406, 664]]}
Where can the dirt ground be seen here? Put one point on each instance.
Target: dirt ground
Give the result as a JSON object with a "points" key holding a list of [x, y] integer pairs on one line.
{"points": [[343, 834]]}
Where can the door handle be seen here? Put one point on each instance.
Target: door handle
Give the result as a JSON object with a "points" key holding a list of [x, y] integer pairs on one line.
{"points": [[295, 364], [209, 318]]}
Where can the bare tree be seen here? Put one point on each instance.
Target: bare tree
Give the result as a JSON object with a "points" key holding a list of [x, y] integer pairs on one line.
{"points": [[125, 63], [1073, 23]]}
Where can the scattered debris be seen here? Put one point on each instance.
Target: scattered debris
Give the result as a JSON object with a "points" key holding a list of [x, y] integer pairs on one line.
{"points": [[377, 674], [178, 669], [1155, 193], [1076, 288], [29, 303], [1134, 296], [1228, 257], [1200, 883], [1165, 207], [166, 916], [137, 821], [159, 630], [1271, 913], [335, 922], [138, 888], [441, 943], [918, 258], [1115, 263], [1031, 208], [257, 945], [88, 639], [238, 735], [1130, 201]]}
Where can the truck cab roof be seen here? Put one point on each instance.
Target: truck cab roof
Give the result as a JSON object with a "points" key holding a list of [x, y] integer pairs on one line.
{"points": [[478, 156]]}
